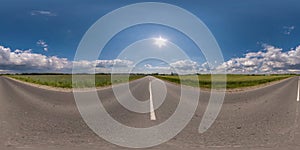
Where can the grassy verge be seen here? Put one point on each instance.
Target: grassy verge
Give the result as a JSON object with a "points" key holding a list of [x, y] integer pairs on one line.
{"points": [[233, 81], [65, 81]]}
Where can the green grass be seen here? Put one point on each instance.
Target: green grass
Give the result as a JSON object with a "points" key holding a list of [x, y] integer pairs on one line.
{"points": [[233, 81], [204, 81], [65, 81]]}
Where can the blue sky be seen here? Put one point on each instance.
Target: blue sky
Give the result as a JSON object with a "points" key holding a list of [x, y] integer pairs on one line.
{"points": [[54, 28]]}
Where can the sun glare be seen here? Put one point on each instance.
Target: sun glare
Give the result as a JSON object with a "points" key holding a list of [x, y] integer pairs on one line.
{"points": [[160, 42]]}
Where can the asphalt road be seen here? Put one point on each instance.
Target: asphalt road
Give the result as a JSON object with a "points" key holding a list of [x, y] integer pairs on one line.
{"points": [[264, 118]]}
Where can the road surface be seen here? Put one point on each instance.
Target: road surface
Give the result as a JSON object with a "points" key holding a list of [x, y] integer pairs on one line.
{"points": [[264, 118]]}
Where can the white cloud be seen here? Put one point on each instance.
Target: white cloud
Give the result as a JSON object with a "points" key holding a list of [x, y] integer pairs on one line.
{"points": [[23, 60], [4, 71], [185, 65], [288, 29], [113, 63], [42, 12], [148, 68], [106, 66], [269, 60], [26, 61], [151, 67], [42, 44], [180, 67]]}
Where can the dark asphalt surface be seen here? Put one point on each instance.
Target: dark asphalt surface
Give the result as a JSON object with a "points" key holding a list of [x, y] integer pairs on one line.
{"points": [[264, 118]]}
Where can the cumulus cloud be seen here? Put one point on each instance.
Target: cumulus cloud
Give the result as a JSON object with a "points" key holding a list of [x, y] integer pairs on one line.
{"points": [[151, 67], [4, 71], [180, 67], [42, 12], [157, 69], [102, 66], [42, 44], [185, 65], [113, 63], [26, 61], [288, 29], [269, 60]]}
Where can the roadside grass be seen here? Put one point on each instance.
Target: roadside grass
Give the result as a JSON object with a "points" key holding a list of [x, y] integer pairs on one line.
{"points": [[233, 80], [84, 81], [204, 81]]}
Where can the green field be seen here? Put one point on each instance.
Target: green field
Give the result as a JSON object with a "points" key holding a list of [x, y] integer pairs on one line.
{"points": [[233, 81], [65, 81]]}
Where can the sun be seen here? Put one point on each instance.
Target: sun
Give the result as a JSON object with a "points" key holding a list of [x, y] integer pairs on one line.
{"points": [[160, 42]]}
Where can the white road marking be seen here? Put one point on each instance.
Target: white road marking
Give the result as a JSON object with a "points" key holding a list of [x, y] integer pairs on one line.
{"points": [[298, 90], [152, 112]]}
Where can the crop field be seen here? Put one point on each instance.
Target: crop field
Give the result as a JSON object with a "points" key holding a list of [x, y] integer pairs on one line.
{"points": [[204, 81], [233, 81], [65, 81]]}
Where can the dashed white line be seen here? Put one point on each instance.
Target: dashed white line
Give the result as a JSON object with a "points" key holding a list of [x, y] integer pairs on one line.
{"points": [[298, 90], [152, 112]]}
